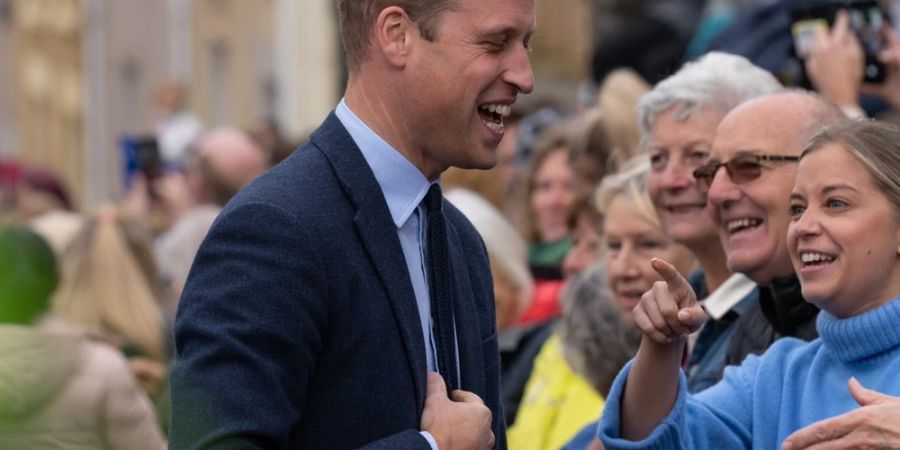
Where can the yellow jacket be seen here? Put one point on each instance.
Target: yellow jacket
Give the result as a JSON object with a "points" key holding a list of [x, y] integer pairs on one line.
{"points": [[556, 404]]}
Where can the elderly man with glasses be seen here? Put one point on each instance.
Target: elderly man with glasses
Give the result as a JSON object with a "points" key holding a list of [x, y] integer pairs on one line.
{"points": [[757, 146]]}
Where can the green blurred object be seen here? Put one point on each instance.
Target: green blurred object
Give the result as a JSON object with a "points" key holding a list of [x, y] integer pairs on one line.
{"points": [[28, 275]]}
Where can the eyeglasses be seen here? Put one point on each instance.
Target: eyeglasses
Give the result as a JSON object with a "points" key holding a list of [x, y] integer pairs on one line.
{"points": [[740, 169]]}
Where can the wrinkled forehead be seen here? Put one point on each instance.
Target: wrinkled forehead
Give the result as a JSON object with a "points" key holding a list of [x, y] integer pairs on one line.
{"points": [[757, 131]]}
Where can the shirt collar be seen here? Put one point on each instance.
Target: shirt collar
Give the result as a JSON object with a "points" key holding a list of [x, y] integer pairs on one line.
{"points": [[403, 184], [728, 295]]}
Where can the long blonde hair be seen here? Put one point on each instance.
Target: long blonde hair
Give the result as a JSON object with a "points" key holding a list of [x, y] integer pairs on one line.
{"points": [[107, 283]]}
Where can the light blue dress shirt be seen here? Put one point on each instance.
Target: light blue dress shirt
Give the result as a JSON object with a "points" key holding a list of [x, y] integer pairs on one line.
{"points": [[404, 186]]}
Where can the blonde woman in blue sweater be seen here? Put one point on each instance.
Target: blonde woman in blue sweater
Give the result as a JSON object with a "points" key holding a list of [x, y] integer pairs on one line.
{"points": [[844, 243]]}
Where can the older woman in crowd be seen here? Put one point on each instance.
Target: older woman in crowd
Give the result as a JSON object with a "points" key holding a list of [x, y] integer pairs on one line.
{"points": [[678, 121], [844, 243], [573, 370]]}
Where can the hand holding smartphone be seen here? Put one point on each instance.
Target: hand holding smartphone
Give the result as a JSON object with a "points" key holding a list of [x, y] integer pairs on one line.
{"points": [[865, 18]]}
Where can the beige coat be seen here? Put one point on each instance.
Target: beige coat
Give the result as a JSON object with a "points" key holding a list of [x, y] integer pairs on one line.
{"points": [[59, 390]]}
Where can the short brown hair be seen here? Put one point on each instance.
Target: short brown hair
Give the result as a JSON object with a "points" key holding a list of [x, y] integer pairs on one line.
{"points": [[356, 18]]}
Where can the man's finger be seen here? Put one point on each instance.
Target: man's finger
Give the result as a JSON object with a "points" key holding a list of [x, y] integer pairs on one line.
{"points": [[678, 286], [841, 29], [436, 386], [462, 396]]}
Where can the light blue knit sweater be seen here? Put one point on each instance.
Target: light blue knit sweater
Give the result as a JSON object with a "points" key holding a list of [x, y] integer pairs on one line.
{"points": [[794, 384]]}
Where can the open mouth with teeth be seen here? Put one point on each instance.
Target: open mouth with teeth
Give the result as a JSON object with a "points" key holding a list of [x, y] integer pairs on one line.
{"points": [[815, 259], [492, 115], [737, 225]]}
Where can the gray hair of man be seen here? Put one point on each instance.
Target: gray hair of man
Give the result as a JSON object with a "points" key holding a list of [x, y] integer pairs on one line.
{"points": [[597, 342], [506, 248], [716, 80]]}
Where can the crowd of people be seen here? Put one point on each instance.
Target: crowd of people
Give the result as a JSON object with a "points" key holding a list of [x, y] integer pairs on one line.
{"points": [[702, 259]]}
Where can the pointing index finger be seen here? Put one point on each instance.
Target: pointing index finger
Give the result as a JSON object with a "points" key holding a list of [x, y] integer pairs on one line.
{"points": [[678, 286]]}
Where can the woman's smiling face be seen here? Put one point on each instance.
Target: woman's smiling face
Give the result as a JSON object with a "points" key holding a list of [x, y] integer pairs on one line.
{"points": [[630, 241], [844, 235]]}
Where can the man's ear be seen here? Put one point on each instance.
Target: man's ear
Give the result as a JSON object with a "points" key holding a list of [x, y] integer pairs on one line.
{"points": [[393, 35]]}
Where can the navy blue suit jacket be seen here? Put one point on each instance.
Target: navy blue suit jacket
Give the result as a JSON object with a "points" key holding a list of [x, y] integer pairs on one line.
{"points": [[298, 326]]}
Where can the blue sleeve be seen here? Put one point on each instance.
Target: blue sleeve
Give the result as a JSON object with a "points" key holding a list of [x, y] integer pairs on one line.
{"points": [[719, 417]]}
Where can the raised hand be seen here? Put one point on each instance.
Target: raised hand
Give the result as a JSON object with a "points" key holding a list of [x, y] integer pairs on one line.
{"points": [[458, 422], [874, 425], [835, 64], [669, 310], [889, 90]]}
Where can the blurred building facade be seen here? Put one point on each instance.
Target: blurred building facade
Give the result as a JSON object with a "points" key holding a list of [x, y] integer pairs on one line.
{"points": [[84, 72]]}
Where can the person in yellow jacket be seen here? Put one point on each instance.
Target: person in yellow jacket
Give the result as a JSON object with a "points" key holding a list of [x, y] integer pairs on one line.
{"points": [[575, 367]]}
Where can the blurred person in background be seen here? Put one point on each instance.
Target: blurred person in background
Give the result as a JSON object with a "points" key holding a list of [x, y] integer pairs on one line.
{"points": [[221, 162], [513, 284], [41, 191], [648, 36], [617, 99], [836, 64], [513, 290], [176, 126], [678, 119], [60, 389], [44, 204], [486, 183], [585, 223], [576, 366], [550, 190], [595, 349], [110, 286]]}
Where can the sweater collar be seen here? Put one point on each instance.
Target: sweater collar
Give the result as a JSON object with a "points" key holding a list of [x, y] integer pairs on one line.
{"points": [[873, 333]]}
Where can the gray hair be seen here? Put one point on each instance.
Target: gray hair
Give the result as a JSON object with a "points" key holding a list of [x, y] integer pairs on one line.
{"points": [[875, 144], [717, 80], [505, 246], [596, 341]]}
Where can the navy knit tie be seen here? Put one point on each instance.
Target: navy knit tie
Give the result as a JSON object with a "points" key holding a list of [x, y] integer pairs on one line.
{"points": [[440, 286]]}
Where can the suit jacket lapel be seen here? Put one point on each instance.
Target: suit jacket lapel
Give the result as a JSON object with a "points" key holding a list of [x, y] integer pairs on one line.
{"points": [[379, 235], [471, 359]]}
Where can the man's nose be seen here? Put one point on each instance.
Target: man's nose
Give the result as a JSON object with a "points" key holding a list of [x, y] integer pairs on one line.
{"points": [[519, 72]]}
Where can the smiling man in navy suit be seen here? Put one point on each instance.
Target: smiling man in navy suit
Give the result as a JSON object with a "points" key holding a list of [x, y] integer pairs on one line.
{"points": [[309, 318]]}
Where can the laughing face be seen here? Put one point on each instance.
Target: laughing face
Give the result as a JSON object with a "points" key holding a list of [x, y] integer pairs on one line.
{"points": [[753, 215], [676, 148], [630, 241], [465, 81], [844, 234]]}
